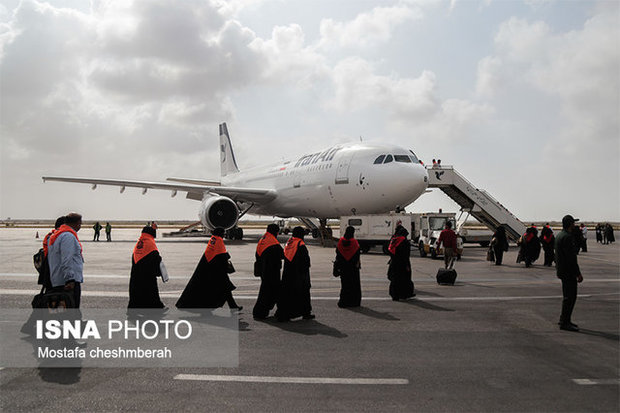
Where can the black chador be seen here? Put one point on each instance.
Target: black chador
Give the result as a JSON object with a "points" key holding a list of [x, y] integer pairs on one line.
{"points": [[499, 243], [547, 239], [294, 297], [347, 267], [143, 291], [269, 255], [210, 286], [529, 247], [399, 271]]}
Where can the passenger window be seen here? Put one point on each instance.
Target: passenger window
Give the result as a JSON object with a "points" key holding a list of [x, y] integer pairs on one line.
{"points": [[388, 159], [379, 159], [402, 158], [356, 222]]}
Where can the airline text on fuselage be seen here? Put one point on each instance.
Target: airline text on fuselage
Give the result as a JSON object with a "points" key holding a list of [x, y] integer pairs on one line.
{"points": [[326, 155]]}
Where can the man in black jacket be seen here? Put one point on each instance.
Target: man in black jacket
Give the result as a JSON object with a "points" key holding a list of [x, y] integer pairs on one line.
{"points": [[568, 271]]}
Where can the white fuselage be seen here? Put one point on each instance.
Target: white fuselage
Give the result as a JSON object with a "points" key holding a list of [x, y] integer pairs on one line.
{"points": [[342, 180]]}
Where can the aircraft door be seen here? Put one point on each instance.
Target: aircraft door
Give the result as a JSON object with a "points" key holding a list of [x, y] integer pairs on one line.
{"points": [[342, 172]]}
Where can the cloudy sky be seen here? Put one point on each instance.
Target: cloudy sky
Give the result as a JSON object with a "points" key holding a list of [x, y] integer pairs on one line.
{"points": [[522, 97]]}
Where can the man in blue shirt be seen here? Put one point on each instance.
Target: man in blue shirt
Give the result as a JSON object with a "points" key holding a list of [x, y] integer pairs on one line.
{"points": [[65, 257]]}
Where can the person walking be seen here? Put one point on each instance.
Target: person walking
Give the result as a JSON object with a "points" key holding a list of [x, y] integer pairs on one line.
{"points": [[210, 286], [567, 270], [447, 237], [294, 298], [145, 268], [347, 267], [65, 258], [547, 239], [269, 255], [530, 247], [499, 243], [584, 239], [399, 270]]}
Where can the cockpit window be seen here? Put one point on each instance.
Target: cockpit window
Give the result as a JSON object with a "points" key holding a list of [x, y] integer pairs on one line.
{"points": [[388, 159], [402, 158], [379, 159], [413, 157]]}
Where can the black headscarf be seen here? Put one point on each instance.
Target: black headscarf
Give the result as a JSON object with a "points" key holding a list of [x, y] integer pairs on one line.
{"points": [[298, 232], [273, 229], [149, 230], [349, 232]]}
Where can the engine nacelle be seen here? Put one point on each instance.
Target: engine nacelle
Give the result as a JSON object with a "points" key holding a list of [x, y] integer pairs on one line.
{"points": [[218, 211]]}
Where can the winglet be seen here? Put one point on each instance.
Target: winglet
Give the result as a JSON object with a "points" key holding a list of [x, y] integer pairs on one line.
{"points": [[228, 163]]}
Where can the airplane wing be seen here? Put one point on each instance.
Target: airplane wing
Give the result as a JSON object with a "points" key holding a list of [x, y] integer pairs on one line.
{"points": [[194, 191]]}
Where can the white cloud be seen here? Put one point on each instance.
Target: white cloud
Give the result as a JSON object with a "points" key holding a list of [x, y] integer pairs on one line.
{"points": [[288, 58], [357, 87], [580, 68], [367, 29]]}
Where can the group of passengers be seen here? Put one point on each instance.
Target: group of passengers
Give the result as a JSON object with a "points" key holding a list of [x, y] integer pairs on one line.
{"points": [[284, 274]]}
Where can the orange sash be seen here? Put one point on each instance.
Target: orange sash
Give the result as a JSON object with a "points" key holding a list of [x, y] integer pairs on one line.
{"points": [[394, 243], [265, 242], [348, 251], [64, 228], [291, 247], [214, 247], [144, 246], [46, 241]]}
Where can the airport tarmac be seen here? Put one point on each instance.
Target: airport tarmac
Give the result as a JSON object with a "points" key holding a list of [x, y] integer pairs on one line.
{"points": [[489, 343]]}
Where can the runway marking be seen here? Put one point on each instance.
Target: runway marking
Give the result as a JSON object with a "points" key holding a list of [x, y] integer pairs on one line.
{"points": [[172, 294], [595, 382], [294, 380]]}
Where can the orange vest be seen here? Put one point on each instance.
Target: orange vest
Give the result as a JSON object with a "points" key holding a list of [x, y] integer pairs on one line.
{"points": [[348, 251], [144, 246], [291, 247], [64, 228], [265, 242], [214, 247]]}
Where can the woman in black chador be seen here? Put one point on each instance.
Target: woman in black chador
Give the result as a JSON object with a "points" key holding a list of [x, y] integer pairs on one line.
{"points": [[347, 267], [269, 256], [294, 297], [145, 260], [210, 286], [399, 271], [530, 246], [499, 243], [547, 239]]}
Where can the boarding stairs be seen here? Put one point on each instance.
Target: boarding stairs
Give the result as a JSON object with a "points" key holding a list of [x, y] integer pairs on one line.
{"points": [[477, 202], [319, 230]]}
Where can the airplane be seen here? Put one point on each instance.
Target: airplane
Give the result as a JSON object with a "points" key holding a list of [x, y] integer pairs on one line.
{"points": [[344, 179]]}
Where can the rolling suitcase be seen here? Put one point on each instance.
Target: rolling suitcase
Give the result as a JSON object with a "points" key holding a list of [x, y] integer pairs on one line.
{"points": [[446, 277]]}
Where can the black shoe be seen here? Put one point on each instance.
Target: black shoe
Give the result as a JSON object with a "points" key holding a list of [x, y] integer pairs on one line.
{"points": [[569, 323], [309, 317], [569, 327]]}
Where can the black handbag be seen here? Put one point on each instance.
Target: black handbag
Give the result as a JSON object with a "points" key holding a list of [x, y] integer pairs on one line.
{"points": [[257, 269], [230, 269], [53, 299], [336, 271]]}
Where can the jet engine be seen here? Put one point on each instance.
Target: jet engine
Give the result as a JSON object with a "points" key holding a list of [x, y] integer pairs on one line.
{"points": [[218, 211]]}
